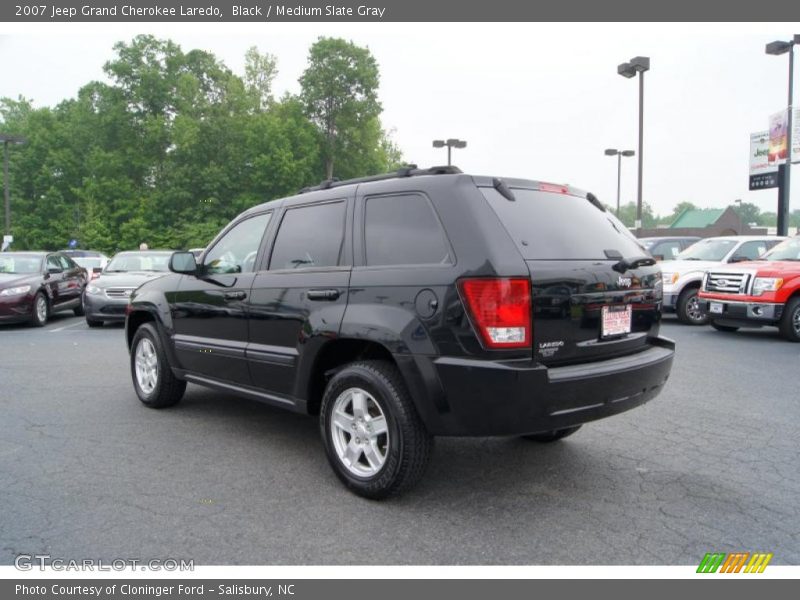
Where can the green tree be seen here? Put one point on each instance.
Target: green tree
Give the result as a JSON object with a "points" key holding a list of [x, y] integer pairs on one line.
{"points": [[259, 72], [627, 214], [340, 94], [748, 212]]}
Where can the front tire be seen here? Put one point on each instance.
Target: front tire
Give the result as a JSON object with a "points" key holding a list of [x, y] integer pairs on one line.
{"points": [[545, 437], [153, 380], [688, 308], [790, 321], [41, 310], [374, 439]]}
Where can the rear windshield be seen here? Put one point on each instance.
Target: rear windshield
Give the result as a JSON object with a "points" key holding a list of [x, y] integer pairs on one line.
{"points": [[551, 226]]}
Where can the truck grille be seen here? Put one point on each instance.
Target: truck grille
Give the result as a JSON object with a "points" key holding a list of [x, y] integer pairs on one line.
{"points": [[119, 292], [727, 283]]}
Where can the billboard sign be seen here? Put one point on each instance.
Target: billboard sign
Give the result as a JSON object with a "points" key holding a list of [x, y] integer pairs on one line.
{"points": [[763, 174], [778, 137]]}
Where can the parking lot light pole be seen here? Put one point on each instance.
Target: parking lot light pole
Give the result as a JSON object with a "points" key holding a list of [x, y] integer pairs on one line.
{"points": [[785, 170], [638, 64], [8, 139], [450, 143], [619, 154]]}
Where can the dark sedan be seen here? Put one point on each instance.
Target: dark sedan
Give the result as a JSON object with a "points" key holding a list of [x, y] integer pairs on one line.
{"points": [[34, 285], [106, 297]]}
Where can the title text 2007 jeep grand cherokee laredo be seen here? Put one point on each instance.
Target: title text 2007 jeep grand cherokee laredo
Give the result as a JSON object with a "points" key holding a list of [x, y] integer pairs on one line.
{"points": [[405, 306]]}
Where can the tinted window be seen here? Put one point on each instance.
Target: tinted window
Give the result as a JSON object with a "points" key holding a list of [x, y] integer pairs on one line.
{"points": [[404, 230], [547, 225], [667, 250], [310, 236], [236, 251], [54, 263]]}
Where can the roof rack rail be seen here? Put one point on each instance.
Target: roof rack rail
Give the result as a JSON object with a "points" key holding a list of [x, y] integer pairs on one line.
{"points": [[405, 171]]}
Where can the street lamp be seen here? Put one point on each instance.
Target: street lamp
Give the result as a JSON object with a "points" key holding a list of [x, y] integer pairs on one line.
{"points": [[619, 154], [784, 170], [450, 143], [8, 139], [638, 64]]}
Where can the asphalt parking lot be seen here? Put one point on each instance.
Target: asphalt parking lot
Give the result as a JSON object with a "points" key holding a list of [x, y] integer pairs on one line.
{"points": [[88, 472]]}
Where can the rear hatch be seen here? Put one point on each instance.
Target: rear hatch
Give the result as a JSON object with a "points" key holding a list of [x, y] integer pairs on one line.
{"points": [[591, 300]]}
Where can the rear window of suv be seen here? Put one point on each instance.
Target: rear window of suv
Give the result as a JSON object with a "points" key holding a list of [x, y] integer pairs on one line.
{"points": [[551, 226]]}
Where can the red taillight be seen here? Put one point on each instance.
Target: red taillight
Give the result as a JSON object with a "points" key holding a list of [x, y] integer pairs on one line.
{"points": [[500, 308]]}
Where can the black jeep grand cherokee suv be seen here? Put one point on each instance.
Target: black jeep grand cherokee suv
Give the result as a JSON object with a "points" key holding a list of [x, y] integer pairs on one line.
{"points": [[410, 305]]}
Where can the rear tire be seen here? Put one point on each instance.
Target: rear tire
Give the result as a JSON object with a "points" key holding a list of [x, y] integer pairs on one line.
{"points": [[688, 308], [545, 437], [374, 439], [790, 321], [153, 380], [728, 328], [78, 310], [93, 322], [40, 311]]}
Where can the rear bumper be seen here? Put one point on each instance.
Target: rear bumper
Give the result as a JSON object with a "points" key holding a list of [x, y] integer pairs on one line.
{"points": [[519, 397], [743, 313]]}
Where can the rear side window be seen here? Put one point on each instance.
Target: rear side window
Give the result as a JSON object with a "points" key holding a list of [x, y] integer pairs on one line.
{"points": [[310, 236], [403, 229], [551, 226]]}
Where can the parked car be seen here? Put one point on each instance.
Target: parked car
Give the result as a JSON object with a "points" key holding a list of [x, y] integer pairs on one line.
{"points": [[106, 297], [34, 285], [667, 248], [754, 294], [407, 306], [684, 275], [93, 262]]}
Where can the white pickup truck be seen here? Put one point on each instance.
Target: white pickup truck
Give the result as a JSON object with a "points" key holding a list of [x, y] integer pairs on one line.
{"points": [[683, 276]]}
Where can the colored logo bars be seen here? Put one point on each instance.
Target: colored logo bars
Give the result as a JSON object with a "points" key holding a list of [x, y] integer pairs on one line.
{"points": [[735, 562]]}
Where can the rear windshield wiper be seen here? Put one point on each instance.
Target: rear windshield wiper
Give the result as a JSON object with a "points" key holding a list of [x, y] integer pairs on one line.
{"points": [[626, 264]]}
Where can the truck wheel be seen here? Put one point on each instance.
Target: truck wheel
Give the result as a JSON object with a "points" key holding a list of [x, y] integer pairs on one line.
{"points": [[688, 308], [790, 321], [728, 328], [41, 310], [153, 380], [551, 436], [374, 439]]}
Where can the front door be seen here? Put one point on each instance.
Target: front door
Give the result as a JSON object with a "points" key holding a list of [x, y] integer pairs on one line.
{"points": [[209, 310], [300, 297]]}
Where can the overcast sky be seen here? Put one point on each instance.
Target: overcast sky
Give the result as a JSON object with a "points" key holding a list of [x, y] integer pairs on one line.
{"points": [[533, 100]]}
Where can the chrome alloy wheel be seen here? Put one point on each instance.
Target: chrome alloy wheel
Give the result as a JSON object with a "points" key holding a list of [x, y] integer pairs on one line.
{"points": [[359, 431], [693, 309], [41, 309], [146, 366]]}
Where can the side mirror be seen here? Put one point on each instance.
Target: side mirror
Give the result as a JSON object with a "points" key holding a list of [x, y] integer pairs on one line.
{"points": [[183, 263]]}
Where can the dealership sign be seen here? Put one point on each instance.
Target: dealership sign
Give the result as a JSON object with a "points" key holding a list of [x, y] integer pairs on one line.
{"points": [[763, 173]]}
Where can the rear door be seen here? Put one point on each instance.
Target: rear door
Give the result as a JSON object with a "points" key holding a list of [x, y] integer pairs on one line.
{"points": [[586, 306]]}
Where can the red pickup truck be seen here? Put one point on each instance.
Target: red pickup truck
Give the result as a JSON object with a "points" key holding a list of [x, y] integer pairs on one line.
{"points": [[756, 293]]}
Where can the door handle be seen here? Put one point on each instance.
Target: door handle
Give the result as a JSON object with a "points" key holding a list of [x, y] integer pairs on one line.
{"points": [[235, 295], [323, 294]]}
